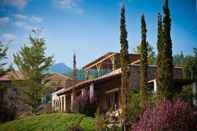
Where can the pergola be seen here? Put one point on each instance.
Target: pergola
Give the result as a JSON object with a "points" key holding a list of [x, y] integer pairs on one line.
{"points": [[110, 61]]}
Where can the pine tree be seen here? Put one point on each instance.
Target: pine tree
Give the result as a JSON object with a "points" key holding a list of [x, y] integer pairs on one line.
{"points": [[3, 56], [7, 107], [124, 60], [143, 63], [32, 62], [165, 75]]}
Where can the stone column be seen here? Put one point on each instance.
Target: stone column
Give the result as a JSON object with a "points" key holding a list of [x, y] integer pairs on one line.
{"points": [[82, 92], [72, 102], [53, 103], [61, 97], [65, 103], [194, 91], [91, 92], [155, 86], [60, 103]]}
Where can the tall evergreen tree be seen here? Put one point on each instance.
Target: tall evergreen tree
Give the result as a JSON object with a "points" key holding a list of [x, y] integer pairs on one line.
{"points": [[74, 73], [74, 77], [33, 63], [160, 53], [7, 105], [151, 53], [166, 60], [3, 56], [143, 63], [124, 60]]}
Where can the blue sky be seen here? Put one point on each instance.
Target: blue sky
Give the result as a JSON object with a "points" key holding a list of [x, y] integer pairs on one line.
{"points": [[90, 28]]}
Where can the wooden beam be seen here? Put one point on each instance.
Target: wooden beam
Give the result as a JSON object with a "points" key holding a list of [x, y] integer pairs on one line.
{"points": [[87, 68], [112, 90], [113, 63]]}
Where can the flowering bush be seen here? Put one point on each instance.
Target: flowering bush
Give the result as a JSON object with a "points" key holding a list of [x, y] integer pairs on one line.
{"points": [[168, 116]]}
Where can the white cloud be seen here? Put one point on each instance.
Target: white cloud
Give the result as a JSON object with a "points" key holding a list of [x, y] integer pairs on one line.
{"points": [[72, 5], [20, 4], [7, 38], [24, 25], [4, 20], [20, 23], [36, 19], [29, 27], [67, 3], [20, 17], [27, 22]]}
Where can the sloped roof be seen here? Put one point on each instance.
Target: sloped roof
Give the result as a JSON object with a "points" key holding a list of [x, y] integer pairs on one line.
{"points": [[55, 80], [95, 81], [12, 75], [98, 59], [106, 55]]}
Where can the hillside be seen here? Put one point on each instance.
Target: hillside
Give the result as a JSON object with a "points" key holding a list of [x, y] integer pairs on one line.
{"points": [[66, 70], [49, 122], [60, 68]]}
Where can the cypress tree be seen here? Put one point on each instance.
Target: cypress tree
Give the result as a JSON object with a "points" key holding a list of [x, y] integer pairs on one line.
{"points": [[166, 60], [143, 63], [124, 60], [74, 73], [159, 55]]}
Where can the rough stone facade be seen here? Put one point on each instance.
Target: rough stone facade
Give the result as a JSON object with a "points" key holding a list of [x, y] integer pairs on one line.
{"points": [[135, 74], [107, 87]]}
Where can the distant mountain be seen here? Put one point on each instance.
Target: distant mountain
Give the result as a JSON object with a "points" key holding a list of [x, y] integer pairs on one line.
{"points": [[60, 68], [66, 70]]}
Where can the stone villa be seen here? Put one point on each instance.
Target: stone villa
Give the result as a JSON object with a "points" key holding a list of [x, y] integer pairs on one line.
{"points": [[103, 81]]}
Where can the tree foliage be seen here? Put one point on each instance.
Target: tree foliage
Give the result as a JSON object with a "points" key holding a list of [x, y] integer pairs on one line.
{"points": [[3, 57], [143, 63], [33, 64], [159, 48], [151, 53], [124, 60], [189, 64], [7, 107], [165, 60]]}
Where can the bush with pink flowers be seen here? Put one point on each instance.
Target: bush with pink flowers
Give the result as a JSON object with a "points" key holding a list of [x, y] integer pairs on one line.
{"points": [[168, 116]]}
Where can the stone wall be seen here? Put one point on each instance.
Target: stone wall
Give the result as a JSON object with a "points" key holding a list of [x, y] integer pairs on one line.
{"points": [[135, 74]]}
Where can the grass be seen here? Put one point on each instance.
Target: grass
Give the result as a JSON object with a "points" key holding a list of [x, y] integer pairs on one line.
{"points": [[49, 122]]}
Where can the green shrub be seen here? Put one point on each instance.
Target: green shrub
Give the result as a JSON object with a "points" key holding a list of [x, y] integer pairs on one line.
{"points": [[100, 121], [134, 106]]}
